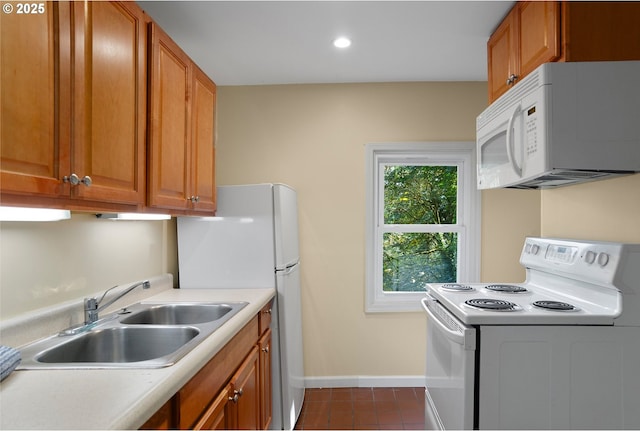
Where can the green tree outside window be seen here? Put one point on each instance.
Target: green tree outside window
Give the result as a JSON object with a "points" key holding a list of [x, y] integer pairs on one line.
{"points": [[414, 196]]}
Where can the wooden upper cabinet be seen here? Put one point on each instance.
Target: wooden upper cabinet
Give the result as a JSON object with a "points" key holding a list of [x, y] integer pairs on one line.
{"points": [[526, 38], [539, 30], [109, 115], [35, 105], [74, 102], [181, 147], [169, 149], [600, 31], [203, 137], [536, 32], [500, 56]]}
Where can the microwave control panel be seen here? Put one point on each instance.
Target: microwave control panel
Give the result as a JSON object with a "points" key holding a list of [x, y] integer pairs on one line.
{"points": [[531, 131]]}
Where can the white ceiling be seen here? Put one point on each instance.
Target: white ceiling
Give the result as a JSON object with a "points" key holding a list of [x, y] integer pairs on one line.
{"points": [[287, 42]]}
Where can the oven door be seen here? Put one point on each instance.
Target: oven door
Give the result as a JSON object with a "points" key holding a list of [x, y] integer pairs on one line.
{"points": [[450, 370]]}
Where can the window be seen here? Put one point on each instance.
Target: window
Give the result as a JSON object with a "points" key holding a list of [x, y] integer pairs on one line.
{"points": [[423, 221]]}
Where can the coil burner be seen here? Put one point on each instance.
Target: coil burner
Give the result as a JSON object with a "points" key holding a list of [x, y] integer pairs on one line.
{"points": [[554, 306], [492, 304], [506, 288], [457, 287]]}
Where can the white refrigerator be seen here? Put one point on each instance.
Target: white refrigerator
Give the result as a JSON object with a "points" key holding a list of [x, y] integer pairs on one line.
{"points": [[253, 243]]}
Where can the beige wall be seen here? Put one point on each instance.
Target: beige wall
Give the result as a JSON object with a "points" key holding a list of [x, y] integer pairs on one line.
{"points": [[312, 137], [42, 264], [508, 217], [606, 210]]}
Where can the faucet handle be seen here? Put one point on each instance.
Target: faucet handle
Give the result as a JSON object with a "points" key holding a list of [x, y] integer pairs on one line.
{"points": [[90, 303], [90, 310]]}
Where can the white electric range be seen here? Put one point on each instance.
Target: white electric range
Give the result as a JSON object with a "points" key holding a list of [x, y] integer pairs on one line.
{"points": [[559, 351]]}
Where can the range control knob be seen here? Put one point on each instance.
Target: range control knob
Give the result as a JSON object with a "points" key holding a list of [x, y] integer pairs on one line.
{"points": [[535, 249], [590, 257], [603, 259]]}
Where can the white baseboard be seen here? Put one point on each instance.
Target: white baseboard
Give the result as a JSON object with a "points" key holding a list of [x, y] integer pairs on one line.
{"points": [[364, 381]]}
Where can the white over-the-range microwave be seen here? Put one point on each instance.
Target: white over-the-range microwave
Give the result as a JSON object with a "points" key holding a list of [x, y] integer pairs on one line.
{"points": [[562, 124]]}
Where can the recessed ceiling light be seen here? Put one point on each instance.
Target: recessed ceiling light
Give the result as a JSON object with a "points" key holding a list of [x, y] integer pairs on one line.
{"points": [[342, 42]]}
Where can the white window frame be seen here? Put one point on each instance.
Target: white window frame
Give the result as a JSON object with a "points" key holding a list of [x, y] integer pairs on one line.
{"points": [[460, 154]]}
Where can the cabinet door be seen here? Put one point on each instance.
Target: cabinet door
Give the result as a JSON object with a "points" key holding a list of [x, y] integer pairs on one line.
{"points": [[203, 142], [164, 418], [600, 31], [265, 380], [527, 37], [35, 68], [539, 31], [109, 117], [169, 149], [215, 418], [244, 408], [501, 58]]}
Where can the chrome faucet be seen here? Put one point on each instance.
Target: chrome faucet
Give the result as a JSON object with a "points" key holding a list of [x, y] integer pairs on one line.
{"points": [[92, 305]]}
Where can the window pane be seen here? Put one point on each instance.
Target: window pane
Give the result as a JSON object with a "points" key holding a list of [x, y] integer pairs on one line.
{"points": [[420, 194], [410, 260]]}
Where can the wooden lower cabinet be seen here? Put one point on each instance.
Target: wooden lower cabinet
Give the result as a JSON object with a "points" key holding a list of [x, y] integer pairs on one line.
{"points": [[266, 405], [230, 392], [243, 408], [164, 418], [216, 416]]}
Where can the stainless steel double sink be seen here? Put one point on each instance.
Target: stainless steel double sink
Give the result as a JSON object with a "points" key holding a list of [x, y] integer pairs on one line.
{"points": [[144, 335]]}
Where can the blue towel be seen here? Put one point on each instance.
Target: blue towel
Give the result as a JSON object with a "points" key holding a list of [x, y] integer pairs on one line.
{"points": [[9, 360]]}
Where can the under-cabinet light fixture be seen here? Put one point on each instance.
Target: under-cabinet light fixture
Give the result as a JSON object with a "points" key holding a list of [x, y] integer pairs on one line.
{"points": [[33, 214], [342, 42], [134, 216]]}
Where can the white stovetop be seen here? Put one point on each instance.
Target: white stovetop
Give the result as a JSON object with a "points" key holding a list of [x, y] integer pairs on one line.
{"points": [[117, 399], [601, 310]]}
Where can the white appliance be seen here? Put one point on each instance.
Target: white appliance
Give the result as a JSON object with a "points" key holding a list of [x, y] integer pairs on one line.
{"points": [[253, 243], [559, 351], [562, 124]]}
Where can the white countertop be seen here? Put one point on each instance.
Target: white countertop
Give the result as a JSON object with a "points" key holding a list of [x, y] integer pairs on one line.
{"points": [[117, 399]]}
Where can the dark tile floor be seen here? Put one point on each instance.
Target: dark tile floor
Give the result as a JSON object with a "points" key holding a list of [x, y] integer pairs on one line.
{"points": [[362, 408]]}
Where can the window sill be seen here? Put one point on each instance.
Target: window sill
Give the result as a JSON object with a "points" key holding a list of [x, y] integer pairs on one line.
{"points": [[398, 302]]}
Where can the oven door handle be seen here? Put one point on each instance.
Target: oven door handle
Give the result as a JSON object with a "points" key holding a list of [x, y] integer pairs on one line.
{"points": [[453, 330]]}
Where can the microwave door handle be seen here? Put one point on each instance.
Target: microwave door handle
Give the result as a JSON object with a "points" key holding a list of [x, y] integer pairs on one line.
{"points": [[510, 144]]}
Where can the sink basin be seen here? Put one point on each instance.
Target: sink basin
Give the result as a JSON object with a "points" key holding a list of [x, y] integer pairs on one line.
{"points": [[178, 314], [143, 335], [120, 344]]}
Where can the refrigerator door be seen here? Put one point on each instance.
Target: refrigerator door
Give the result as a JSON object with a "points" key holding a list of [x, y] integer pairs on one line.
{"points": [[290, 347], [286, 225], [235, 249]]}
